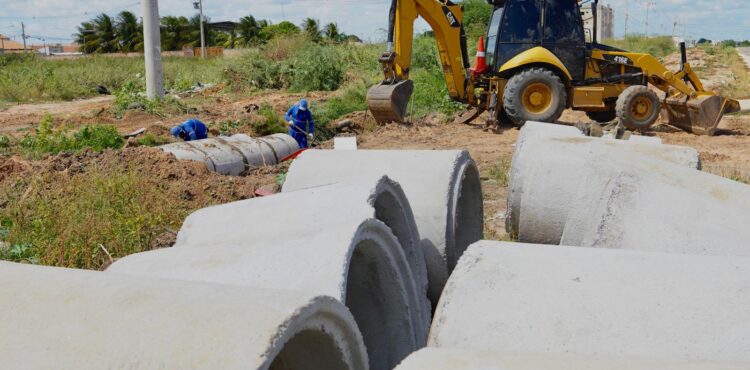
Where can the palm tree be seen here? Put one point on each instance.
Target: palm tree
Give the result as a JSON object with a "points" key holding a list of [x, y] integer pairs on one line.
{"points": [[104, 30], [312, 29], [85, 37], [331, 31], [248, 30], [174, 32], [129, 32]]}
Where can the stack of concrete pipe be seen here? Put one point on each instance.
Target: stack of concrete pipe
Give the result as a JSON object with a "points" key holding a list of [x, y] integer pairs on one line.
{"points": [[443, 188], [340, 259], [356, 242], [611, 194], [236, 154], [53, 318]]}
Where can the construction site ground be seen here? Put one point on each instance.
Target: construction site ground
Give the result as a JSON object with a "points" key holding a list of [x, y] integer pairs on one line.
{"points": [[727, 154]]}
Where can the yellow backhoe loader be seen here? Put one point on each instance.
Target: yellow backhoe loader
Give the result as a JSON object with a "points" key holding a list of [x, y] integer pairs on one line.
{"points": [[540, 62]]}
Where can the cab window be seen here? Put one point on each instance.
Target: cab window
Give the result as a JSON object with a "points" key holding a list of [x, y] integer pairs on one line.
{"points": [[492, 32], [522, 22], [563, 22]]}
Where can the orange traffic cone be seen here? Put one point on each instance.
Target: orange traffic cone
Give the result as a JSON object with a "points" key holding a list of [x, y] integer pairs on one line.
{"points": [[480, 62]]}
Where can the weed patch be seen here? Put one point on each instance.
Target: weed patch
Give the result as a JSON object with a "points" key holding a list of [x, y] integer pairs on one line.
{"points": [[71, 223], [47, 139], [149, 139], [270, 123]]}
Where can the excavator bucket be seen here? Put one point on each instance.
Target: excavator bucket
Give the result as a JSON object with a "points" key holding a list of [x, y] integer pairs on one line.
{"points": [[700, 115], [388, 102]]}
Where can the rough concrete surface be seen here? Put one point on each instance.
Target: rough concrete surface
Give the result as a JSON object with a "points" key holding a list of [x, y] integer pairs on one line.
{"points": [[467, 359], [625, 197], [53, 318], [512, 297], [234, 155], [548, 171], [443, 187], [331, 240]]}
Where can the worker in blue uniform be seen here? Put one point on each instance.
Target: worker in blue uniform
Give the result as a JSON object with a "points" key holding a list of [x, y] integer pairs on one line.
{"points": [[301, 125], [190, 130]]}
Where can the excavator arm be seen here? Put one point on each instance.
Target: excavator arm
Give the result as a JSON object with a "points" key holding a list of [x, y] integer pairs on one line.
{"points": [[388, 100]]}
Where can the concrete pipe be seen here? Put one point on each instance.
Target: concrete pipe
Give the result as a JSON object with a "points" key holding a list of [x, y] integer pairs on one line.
{"points": [[455, 358], [588, 196], [511, 297], [443, 188], [536, 157], [675, 211], [328, 240], [235, 155], [53, 318]]}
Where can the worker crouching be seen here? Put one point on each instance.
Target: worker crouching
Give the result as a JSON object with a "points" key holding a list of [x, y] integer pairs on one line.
{"points": [[190, 130], [301, 125]]}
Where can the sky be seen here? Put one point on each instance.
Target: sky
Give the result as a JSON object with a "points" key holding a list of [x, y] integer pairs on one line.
{"points": [[55, 20]]}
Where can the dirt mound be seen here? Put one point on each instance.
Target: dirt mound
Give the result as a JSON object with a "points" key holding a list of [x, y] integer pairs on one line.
{"points": [[191, 182]]}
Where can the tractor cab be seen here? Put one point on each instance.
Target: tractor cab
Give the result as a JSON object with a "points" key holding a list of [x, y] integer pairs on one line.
{"points": [[517, 26]]}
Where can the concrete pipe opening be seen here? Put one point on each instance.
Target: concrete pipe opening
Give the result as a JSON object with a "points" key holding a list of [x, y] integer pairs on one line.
{"points": [[467, 223], [310, 349], [377, 299], [393, 209]]}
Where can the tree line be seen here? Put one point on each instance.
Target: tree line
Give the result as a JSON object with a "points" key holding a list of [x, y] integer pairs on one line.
{"points": [[124, 33]]}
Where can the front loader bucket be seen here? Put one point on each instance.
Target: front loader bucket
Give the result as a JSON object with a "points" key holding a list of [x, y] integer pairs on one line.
{"points": [[700, 115], [388, 102]]}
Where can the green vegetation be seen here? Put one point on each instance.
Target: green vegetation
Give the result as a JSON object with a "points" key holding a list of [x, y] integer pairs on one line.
{"points": [[75, 221], [30, 78], [658, 46], [50, 140], [271, 123], [477, 15], [132, 93], [149, 139]]}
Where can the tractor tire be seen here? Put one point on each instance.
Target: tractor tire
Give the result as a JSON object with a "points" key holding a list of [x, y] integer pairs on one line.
{"points": [[638, 108], [534, 94], [604, 116]]}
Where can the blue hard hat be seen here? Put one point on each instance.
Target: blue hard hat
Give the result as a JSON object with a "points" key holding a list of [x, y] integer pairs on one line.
{"points": [[176, 131], [303, 104]]}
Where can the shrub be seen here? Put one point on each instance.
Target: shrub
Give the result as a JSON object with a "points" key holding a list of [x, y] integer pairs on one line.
{"points": [[270, 123], [659, 46], [253, 70], [4, 141], [317, 68]]}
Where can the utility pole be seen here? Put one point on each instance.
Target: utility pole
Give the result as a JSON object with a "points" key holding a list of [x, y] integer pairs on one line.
{"points": [[152, 50], [648, 6], [23, 35], [674, 28], [199, 5], [626, 18]]}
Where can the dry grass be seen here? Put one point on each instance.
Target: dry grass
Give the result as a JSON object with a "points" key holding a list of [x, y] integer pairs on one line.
{"points": [[85, 219]]}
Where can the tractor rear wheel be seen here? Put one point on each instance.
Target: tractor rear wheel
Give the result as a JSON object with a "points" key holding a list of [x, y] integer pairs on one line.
{"points": [[603, 116], [534, 94], [638, 108]]}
